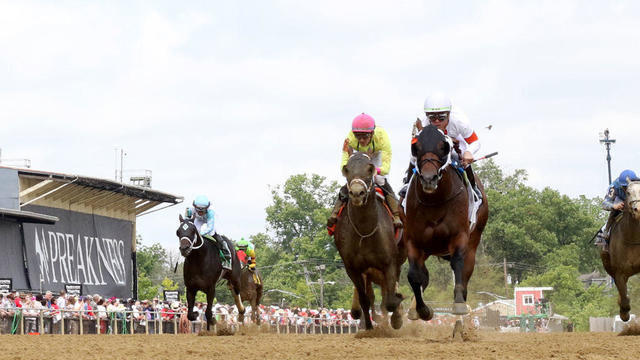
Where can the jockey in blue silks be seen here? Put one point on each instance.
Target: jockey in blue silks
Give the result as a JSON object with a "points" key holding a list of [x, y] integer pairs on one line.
{"points": [[205, 222], [614, 202]]}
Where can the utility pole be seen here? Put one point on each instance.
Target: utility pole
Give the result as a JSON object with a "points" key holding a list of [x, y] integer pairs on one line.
{"points": [[321, 268], [506, 285], [604, 139]]}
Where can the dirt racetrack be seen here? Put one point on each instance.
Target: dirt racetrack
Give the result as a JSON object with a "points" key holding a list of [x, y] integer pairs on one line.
{"points": [[414, 343]]}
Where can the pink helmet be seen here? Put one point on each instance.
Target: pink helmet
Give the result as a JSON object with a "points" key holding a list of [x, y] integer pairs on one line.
{"points": [[363, 123]]}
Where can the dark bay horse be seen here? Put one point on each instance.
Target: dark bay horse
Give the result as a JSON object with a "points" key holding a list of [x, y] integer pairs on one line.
{"points": [[251, 289], [365, 240], [203, 269], [437, 221], [623, 259]]}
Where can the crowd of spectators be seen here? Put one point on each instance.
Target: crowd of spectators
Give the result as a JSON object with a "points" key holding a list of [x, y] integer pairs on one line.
{"points": [[96, 307]]}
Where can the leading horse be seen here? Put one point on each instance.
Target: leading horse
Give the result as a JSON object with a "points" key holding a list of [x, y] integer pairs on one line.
{"points": [[203, 269], [437, 220], [623, 258], [366, 242]]}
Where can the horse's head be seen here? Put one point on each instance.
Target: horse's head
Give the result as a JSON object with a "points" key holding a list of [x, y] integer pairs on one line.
{"points": [[359, 171], [633, 199], [188, 235], [432, 150]]}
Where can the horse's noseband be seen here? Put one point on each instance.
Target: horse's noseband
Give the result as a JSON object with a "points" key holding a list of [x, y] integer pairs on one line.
{"points": [[367, 187], [193, 242], [440, 165]]}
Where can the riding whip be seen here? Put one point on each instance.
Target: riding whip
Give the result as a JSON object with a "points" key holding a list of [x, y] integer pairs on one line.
{"points": [[486, 156]]}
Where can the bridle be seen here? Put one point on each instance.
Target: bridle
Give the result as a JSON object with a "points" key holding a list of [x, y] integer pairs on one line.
{"points": [[439, 164], [196, 236], [368, 190], [367, 187]]}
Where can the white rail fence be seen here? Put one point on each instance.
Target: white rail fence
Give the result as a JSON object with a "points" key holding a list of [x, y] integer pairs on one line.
{"points": [[47, 321]]}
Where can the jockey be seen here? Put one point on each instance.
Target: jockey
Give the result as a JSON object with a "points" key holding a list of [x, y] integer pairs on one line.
{"points": [[614, 202], [454, 123], [248, 248], [205, 222], [365, 136]]}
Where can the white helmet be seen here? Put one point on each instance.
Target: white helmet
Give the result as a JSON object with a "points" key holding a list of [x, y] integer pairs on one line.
{"points": [[437, 102]]}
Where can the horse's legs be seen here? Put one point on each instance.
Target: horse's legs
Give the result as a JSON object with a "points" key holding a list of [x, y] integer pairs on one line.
{"points": [[191, 299], [623, 301], [418, 277], [356, 310], [211, 294], [359, 283], [372, 299], [457, 265], [469, 264], [235, 291], [391, 300]]}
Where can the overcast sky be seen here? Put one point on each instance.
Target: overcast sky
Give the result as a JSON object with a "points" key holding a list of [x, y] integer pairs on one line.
{"points": [[227, 98]]}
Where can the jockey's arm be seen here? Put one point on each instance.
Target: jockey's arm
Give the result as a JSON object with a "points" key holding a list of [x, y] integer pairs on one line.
{"points": [[609, 199], [385, 148], [211, 218]]}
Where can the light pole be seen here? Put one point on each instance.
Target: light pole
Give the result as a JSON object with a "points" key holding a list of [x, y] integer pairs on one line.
{"points": [[604, 139]]}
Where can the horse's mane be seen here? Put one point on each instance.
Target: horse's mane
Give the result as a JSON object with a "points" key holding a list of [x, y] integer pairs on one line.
{"points": [[431, 140]]}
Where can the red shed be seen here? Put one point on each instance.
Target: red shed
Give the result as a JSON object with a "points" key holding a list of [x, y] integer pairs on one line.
{"points": [[527, 298]]}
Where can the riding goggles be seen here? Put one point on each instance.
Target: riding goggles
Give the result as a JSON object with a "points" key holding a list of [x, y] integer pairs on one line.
{"points": [[362, 135], [437, 116]]}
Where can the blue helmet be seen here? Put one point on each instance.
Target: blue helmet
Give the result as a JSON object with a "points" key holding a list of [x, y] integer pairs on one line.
{"points": [[627, 174], [201, 204]]}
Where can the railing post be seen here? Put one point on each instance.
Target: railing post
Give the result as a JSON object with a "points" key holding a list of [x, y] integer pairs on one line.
{"points": [[80, 318], [175, 324], [146, 325], [62, 321], [21, 322], [41, 318], [132, 320]]}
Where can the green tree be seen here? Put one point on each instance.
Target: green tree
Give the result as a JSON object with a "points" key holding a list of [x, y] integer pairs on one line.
{"points": [[146, 289]]}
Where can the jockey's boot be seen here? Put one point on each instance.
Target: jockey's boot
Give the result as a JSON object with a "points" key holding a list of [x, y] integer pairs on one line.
{"points": [[472, 181], [252, 263], [394, 206], [226, 255], [333, 218]]}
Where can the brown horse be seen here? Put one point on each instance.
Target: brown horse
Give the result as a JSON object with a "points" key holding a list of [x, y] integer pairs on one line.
{"points": [[437, 221], [365, 240], [623, 259], [251, 289]]}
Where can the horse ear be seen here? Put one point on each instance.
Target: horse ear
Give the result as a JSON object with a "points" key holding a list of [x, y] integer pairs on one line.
{"points": [[419, 124], [445, 147], [181, 218], [372, 169], [345, 171]]}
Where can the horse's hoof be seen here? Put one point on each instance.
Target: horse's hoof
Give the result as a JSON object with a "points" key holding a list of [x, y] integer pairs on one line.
{"points": [[192, 317], [460, 309], [396, 320], [412, 314], [425, 313], [356, 314], [624, 316]]}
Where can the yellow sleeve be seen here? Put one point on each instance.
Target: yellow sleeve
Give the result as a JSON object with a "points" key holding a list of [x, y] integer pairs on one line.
{"points": [[345, 155], [384, 145]]}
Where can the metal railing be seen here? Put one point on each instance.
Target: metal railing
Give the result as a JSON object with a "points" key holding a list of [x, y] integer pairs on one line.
{"points": [[49, 321]]}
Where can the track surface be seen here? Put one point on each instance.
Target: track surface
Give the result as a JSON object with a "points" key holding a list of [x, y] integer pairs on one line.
{"points": [[414, 343]]}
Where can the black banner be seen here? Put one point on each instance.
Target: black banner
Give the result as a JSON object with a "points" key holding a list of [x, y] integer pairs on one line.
{"points": [[86, 249], [171, 295], [73, 289], [6, 285]]}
